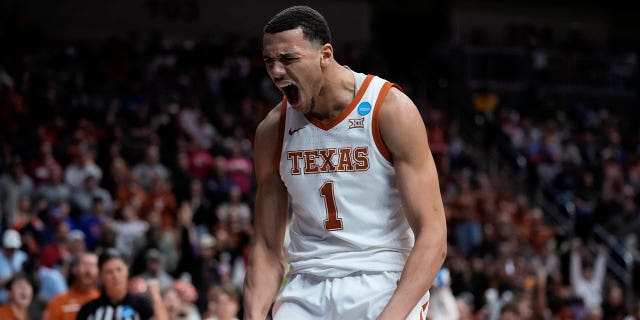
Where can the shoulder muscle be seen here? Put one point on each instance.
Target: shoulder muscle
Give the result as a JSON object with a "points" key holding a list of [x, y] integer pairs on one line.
{"points": [[401, 125]]}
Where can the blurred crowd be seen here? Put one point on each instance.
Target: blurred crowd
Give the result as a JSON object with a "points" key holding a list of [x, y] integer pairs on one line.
{"points": [[144, 145], [567, 134]]}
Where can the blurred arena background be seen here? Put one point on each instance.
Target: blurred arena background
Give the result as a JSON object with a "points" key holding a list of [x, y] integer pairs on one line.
{"points": [[132, 121]]}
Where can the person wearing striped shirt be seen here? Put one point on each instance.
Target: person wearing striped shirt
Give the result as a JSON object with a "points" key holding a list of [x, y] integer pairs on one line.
{"points": [[115, 302]]}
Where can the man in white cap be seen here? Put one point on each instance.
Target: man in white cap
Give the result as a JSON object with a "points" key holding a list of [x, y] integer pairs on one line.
{"points": [[11, 259]]}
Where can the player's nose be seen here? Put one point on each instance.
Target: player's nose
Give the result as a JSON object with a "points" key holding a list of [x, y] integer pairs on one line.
{"points": [[277, 70]]}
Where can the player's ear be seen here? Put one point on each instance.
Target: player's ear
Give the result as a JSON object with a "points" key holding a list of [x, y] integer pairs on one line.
{"points": [[326, 54]]}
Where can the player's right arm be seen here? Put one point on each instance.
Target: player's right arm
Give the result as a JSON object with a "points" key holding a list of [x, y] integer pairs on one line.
{"points": [[266, 260]]}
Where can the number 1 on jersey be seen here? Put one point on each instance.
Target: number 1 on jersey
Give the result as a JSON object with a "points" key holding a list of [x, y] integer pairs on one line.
{"points": [[332, 222]]}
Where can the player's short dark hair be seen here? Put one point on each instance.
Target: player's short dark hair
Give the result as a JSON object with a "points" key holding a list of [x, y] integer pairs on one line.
{"points": [[314, 26], [108, 255]]}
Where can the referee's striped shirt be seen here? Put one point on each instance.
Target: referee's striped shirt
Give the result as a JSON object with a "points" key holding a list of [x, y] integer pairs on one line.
{"points": [[130, 308]]}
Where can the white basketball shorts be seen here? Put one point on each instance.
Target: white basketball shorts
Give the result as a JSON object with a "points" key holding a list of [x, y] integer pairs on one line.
{"points": [[361, 296]]}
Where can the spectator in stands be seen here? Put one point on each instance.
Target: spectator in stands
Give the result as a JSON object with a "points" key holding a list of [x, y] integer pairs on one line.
{"points": [[128, 227], [240, 169], [234, 209], [11, 259], [91, 222], [83, 199], [201, 162], [20, 294], [83, 278], [55, 254], [12, 105], [220, 183], [467, 232], [155, 269], [613, 304], [224, 303], [14, 184], [188, 295], [179, 308], [151, 167], [42, 167], [28, 223], [442, 302], [156, 238], [509, 312], [83, 165], [201, 207], [587, 280], [76, 243], [464, 303], [203, 268], [123, 185], [47, 284], [181, 177], [54, 189], [160, 201]]}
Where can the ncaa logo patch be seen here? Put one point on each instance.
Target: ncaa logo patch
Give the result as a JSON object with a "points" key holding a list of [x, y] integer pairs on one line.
{"points": [[364, 108], [128, 312]]}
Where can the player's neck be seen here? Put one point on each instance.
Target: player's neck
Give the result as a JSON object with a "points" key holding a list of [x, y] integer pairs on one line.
{"points": [[338, 91]]}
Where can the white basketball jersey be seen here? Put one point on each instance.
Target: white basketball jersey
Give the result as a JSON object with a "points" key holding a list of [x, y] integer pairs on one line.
{"points": [[346, 209]]}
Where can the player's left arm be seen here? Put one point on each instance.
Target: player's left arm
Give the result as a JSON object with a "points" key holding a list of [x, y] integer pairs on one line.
{"points": [[405, 135]]}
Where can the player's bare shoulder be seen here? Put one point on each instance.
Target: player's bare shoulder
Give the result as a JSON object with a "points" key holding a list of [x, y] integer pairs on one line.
{"points": [[398, 110], [401, 124], [397, 101]]}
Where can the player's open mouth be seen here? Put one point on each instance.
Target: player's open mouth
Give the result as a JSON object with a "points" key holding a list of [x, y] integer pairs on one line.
{"points": [[292, 93]]}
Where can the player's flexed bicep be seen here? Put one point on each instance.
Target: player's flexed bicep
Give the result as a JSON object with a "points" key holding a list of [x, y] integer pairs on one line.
{"points": [[404, 134], [265, 269]]}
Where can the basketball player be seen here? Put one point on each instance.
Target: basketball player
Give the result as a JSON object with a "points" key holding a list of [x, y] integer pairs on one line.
{"points": [[348, 153]]}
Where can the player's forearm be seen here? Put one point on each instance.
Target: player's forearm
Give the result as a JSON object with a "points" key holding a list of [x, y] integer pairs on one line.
{"points": [[262, 281], [418, 275]]}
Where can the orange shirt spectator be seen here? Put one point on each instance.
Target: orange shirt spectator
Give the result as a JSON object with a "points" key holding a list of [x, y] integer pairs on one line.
{"points": [[84, 278], [66, 305], [6, 313], [20, 292]]}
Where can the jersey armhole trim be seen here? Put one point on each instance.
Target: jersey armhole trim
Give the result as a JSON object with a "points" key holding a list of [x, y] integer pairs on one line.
{"points": [[283, 116], [375, 128]]}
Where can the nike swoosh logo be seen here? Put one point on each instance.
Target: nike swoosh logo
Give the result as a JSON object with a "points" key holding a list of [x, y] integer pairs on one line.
{"points": [[291, 132]]}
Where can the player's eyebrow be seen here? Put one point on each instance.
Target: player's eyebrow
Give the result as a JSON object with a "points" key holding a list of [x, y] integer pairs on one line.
{"points": [[281, 56]]}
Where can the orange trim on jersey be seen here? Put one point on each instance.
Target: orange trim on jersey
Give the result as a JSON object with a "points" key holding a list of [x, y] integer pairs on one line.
{"points": [[423, 309], [326, 126], [375, 127], [283, 116], [425, 305]]}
